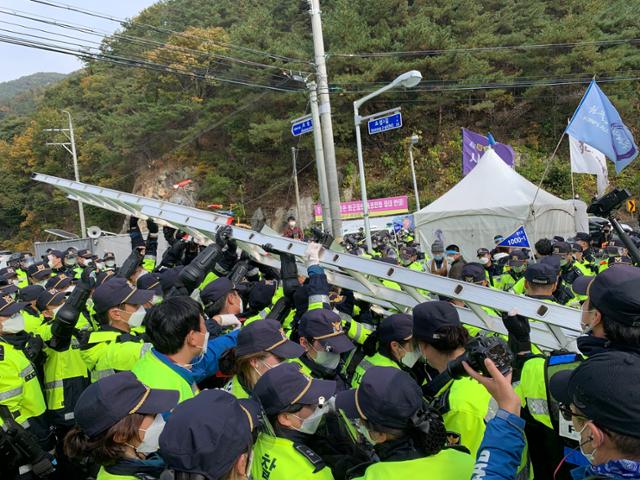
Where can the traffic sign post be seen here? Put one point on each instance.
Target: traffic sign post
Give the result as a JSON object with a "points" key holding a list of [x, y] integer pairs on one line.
{"points": [[301, 125], [631, 206], [382, 124]]}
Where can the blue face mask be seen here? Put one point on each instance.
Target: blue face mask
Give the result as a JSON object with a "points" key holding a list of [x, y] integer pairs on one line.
{"points": [[438, 257]]}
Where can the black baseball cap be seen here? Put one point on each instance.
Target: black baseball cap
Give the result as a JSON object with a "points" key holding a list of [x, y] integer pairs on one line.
{"points": [[110, 399], [150, 281], [8, 289], [57, 253], [582, 237], [85, 253], [621, 260], [285, 385], [561, 248], [397, 327], [613, 251], [326, 327], [168, 277], [49, 297], [481, 252], [102, 277], [386, 396], [553, 261], [216, 290], [116, 292], [59, 282], [8, 273], [614, 292], [581, 284], [541, 274], [206, 434], [9, 307], [30, 293], [109, 256], [261, 295], [429, 317], [518, 258], [473, 272], [606, 389], [266, 336], [39, 271], [575, 247]]}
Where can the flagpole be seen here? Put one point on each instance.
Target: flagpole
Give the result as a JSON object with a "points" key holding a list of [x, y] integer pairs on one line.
{"points": [[546, 169]]}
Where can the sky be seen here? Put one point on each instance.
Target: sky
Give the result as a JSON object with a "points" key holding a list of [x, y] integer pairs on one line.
{"points": [[18, 61]]}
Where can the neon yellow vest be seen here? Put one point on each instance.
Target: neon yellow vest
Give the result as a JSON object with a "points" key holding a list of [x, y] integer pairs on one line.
{"points": [[62, 368], [448, 464], [276, 458], [376, 360], [151, 371], [104, 475]]}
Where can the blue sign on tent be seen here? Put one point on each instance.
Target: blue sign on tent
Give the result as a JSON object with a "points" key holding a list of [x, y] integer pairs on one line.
{"points": [[382, 124], [300, 128], [516, 239]]}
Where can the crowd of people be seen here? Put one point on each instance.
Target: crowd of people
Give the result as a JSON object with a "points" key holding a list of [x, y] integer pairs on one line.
{"points": [[203, 364]]}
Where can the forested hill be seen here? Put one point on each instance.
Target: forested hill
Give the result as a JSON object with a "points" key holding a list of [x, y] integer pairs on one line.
{"points": [[235, 140], [19, 96]]}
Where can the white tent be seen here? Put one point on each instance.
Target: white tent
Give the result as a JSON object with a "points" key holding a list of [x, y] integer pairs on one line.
{"points": [[494, 199]]}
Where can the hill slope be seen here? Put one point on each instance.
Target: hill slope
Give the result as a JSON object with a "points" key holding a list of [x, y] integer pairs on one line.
{"points": [[19, 96]]}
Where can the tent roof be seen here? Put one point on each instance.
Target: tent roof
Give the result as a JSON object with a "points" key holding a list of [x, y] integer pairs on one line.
{"points": [[491, 184]]}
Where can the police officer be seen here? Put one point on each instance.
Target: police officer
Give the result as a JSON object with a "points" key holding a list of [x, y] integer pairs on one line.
{"points": [[324, 341], [221, 298], [541, 281], [109, 260], [116, 346], [568, 270], [261, 346], [56, 262], [21, 395], [38, 274], [408, 436], [493, 270], [59, 283], [294, 404], [463, 403], [581, 262], [119, 423], [15, 262], [10, 275], [562, 292], [199, 445], [513, 277], [182, 353], [390, 345]]}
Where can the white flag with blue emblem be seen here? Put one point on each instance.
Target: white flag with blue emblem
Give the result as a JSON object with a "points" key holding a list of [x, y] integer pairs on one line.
{"points": [[597, 123]]}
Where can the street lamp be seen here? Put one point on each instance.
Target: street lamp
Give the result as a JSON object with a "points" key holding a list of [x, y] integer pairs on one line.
{"points": [[414, 141], [406, 80]]}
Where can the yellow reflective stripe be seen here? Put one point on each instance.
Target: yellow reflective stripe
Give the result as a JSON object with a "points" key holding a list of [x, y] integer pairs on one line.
{"points": [[319, 299], [27, 371], [54, 384], [146, 347], [11, 393], [98, 374], [538, 406]]}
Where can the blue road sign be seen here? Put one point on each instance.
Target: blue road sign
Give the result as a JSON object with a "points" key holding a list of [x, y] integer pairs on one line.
{"points": [[382, 124], [300, 128]]}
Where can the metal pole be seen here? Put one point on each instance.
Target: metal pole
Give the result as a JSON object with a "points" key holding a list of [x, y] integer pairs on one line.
{"points": [[317, 142], [76, 171], [363, 181], [415, 182], [295, 183], [325, 118]]}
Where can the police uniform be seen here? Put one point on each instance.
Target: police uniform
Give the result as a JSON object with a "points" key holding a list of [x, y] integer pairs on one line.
{"points": [[38, 273], [514, 272], [390, 398], [286, 456], [110, 350], [259, 337], [108, 401]]}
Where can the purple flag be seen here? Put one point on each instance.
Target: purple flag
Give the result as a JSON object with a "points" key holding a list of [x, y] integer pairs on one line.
{"points": [[474, 146]]}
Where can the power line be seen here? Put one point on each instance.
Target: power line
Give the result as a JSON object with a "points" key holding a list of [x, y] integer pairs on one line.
{"points": [[124, 22], [413, 53]]}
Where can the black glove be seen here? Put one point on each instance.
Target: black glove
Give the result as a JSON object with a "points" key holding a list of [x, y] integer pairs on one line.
{"points": [[223, 235], [519, 331], [152, 227]]}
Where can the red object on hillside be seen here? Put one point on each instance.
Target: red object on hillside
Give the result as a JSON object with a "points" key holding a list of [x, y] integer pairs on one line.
{"points": [[182, 184]]}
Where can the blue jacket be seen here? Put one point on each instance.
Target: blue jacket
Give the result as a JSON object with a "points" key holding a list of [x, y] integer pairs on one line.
{"points": [[615, 470], [501, 448]]}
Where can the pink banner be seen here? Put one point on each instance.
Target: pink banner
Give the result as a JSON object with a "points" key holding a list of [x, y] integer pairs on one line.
{"points": [[378, 207]]}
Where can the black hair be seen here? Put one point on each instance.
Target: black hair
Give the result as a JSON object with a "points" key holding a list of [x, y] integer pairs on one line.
{"points": [[620, 334], [450, 338], [294, 408], [169, 323], [627, 446], [544, 247], [453, 247], [214, 308], [290, 217]]}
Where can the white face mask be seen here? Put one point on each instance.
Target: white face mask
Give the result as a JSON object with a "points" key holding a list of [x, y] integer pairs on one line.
{"points": [[450, 259], [205, 345], [410, 358], [88, 262], [150, 442], [484, 260], [364, 431], [312, 422], [589, 456], [110, 263], [13, 324], [69, 289], [15, 282], [292, 224], [136, 318], [99, 265], [70, 262], [329, 360]]}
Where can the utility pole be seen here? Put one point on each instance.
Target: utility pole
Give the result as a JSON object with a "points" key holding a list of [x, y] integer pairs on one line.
{"points": [[324, 108], [70, 147], [320, 165], [413, 141], [295, 183]]}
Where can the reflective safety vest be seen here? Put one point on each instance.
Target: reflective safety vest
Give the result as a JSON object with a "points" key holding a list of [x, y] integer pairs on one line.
{"points": [[518, 287], [277, 458], [19, 386], [105, 353], [585, 268], [235, 389], [376, 360], [356, 331], [149, 263], [447, 464], [210, 277], [35, 324], [23, 279], [303, 368], [154, 373], [464, 405], [65, 378], [104, 475], [261, 315]]}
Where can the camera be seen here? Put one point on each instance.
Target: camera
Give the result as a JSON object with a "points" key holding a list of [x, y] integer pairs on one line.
{"points": [[603, 206], [479, 348], [321, 237]]}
